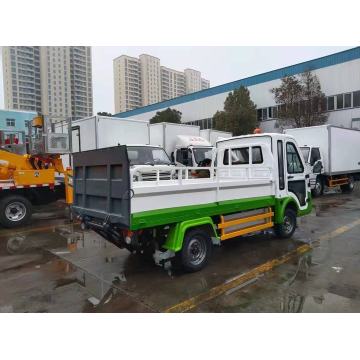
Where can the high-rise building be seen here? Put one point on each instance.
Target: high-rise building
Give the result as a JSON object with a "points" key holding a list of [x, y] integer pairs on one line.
{"points": [[21, 76], [205, 84], [53, 80], [192, 80], [150, 79], [142, 81], [172, 83], [127, 83], [81, 81]]}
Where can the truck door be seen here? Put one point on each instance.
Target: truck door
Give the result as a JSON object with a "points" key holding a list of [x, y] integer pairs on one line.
{"points": [[296, 181]]}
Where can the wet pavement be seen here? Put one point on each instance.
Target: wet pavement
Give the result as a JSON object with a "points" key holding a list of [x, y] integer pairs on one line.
{"points": [[54, 266]]}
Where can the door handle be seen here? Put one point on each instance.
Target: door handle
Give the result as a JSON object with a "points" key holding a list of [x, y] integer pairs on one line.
{"points": [[290, 177]]}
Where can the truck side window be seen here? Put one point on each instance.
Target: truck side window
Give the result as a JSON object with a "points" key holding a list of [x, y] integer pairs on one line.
{"points": [[294, 164], [257, 157], [281, 164], [315, 156], [239, 156]]}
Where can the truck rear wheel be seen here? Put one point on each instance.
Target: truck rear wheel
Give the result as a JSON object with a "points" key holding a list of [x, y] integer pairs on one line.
{"points": [[287, 228], [348, 188], [15, 210], [196, 250]]}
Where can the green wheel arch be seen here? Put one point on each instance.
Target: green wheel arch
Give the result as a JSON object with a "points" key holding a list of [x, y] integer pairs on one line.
{"points": [[177, 232], [282, 204]]}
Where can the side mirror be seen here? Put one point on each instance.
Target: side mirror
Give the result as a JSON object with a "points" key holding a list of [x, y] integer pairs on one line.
{"points": [[172, 157]]}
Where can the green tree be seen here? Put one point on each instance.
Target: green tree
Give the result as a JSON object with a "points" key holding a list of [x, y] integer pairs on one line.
{"points": [[104, 113], [239, 114], [301, 101], [168, 115]]}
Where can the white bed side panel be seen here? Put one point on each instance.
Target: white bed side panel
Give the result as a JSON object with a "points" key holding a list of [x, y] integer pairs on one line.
{"points": [[204, 192]]}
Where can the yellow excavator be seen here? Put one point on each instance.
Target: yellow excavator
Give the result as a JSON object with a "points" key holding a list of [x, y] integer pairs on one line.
{"points": [[33, 173]]}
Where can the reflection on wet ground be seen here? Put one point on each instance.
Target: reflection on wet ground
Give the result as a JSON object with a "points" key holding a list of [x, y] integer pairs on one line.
{"points": [[54, 266]]}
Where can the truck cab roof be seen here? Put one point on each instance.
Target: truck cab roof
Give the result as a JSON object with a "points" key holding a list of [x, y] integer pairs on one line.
{"points": [[252, 138], [183, 141]]}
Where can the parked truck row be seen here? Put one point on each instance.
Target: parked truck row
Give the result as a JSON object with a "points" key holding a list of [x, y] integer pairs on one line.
{"points": [[184, 144]]}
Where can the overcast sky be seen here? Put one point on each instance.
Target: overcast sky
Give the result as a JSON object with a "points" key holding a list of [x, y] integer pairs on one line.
{"points": [[217, 64]]}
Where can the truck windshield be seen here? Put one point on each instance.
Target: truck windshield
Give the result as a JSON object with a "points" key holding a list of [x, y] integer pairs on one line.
{"points": [[147, 155], [305, 153], [202, 153]]}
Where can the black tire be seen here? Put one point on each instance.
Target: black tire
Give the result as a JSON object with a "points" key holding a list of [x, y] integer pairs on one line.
{"points": [[196, 250], [15, 210], [319, 187], [287, 228], [348, 188]]}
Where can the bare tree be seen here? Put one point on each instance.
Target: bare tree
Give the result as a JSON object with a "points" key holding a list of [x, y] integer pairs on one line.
{"points": [[301, 101]]}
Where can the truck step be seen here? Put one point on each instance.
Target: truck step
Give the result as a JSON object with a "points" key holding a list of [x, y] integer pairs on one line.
{"points": [[243, 224]]}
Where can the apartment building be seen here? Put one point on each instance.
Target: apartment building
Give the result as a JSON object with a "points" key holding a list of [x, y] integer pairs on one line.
{"points": [[150, 79], [127, 83], [172, 83], [205, 84], [192, 80], [21, 77], [53, 80], [143, 81]]}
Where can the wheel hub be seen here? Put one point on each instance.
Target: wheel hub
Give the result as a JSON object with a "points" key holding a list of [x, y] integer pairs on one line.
{"points": [[15, 211], [287, 224], [197, 251]]}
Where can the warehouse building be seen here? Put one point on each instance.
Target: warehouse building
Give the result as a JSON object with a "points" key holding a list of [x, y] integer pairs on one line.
{"points": [[339, 75]]}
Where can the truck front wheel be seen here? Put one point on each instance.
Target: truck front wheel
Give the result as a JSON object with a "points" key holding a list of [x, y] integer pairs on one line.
{"points": [[287, 228], [196, 250], [319, 187], [15, 210], [349, 187]]}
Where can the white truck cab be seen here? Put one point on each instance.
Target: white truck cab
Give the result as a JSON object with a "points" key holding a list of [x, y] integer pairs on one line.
{"points": [[192, 151], [143, 158], [291, 175]]}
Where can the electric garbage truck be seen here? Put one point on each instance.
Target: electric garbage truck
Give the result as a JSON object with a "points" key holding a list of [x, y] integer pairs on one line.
{"points": [[254, 183]]}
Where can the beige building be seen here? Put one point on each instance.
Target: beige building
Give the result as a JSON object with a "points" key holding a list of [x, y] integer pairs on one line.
{"points": [[205, 84], [21, 77], [142, 81], [53, 80], [127, 83], [172, 83], [150, 79]]}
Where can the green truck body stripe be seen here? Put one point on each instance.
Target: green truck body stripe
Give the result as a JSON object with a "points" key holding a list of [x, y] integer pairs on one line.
{"points": [[152, 218], [148, 219], [177, 232], [183, 218]]}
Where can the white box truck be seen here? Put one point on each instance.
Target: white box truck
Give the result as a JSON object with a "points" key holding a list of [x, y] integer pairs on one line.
{"points": [[212, 136], [98, 132], [332, 155], [181, 142]]}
